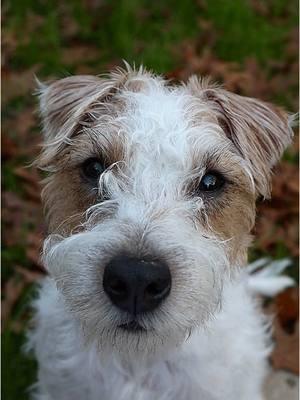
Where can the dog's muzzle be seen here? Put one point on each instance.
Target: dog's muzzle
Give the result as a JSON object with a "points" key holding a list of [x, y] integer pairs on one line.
{"points": [[136, 285]]}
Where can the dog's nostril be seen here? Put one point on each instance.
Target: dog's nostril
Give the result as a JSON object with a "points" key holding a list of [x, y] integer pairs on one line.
{"points": [[136, 285], [158, 289], [117, 287]]}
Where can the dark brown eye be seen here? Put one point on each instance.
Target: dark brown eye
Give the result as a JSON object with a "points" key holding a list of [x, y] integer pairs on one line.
{"points": [[92, 168], [211, 182]]}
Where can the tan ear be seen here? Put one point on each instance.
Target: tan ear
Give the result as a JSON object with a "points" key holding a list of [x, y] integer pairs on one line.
{"points": [[259, 131], [66, 104]]}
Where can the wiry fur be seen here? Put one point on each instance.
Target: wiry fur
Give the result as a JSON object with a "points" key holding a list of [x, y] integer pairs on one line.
{"points": [[207, 340]]}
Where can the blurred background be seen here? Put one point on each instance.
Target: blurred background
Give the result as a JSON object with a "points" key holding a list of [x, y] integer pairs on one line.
{"points": [[250, 46]]}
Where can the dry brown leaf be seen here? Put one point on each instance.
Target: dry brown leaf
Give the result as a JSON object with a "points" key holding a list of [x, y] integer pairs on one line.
{"points": [[278, 219], [28, 275], [16, 213], [32, 193], [11, 200], [17, 84], [30, 176], [79, 53], [8, 148], [285, 309], [33, 255], [11, 293], [21, 123], [34, 248], [286, 351]]}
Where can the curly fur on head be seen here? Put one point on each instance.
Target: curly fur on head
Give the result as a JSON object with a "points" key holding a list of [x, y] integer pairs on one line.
{"points": [[156, 142]]}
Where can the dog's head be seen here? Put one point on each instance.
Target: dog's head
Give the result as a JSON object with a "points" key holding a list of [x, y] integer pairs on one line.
{"points": [[150, 200]]}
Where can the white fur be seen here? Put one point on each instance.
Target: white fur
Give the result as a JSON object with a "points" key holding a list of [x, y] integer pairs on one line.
{"points": [[208, 339], [224, 360]]}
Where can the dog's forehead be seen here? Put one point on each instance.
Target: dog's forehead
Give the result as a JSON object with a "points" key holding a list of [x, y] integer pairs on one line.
{"points": [[168, 121]]}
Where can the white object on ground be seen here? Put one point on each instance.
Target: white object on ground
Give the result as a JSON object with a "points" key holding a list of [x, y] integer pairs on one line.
{"points": [[265, 279]]}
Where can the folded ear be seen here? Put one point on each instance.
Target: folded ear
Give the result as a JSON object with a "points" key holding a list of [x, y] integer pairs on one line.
{"points": [[259, 131], [67, 104]]}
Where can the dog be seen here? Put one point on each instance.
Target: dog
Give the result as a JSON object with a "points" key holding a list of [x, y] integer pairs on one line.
{"points": [[150, 201]]}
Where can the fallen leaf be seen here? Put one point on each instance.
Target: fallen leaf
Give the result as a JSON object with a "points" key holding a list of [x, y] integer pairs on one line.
{"points": [[30, 176], [9, 148], [286, 352], [12, 291], [28, 275], [76, 54], [16, 84], [285, 309]]}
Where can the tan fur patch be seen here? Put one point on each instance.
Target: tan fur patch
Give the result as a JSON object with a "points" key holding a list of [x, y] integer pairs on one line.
{"points": [[258, 130]]}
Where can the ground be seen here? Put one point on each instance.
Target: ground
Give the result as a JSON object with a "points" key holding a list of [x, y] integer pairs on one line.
{"points": [[249, 46]]}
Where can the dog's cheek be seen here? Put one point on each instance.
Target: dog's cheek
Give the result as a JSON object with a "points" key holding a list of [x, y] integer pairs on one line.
{"points": [[198, 266], [194, 301], [66, 199], [231, 218]]}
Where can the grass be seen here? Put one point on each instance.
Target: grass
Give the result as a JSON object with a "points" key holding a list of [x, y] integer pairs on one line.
{"points": [[18, 370], [144, 32], [153, 33], [116, 28], [243, 33]]}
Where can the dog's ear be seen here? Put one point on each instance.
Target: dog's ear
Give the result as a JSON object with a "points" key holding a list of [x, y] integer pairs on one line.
{"points": [[67, 104], [259, 131]]}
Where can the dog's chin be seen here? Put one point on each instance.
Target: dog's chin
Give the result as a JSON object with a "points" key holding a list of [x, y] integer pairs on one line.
{"points": [[131, 340], [133, 327]]}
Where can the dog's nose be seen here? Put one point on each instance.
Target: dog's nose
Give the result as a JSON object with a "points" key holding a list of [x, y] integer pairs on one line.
{"points": [[136, 285]]}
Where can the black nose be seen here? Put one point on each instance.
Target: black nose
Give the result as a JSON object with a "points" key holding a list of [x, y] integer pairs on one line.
{"points": [[136, 285]]}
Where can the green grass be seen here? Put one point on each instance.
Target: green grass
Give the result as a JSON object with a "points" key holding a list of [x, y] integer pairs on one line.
{"points": [[10, 181], [145, 32], [135, 30], [18, 371], [14, 255], [243, 33]]}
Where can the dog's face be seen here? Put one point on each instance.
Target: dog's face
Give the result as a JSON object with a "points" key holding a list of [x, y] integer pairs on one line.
{"points": [[150, 200]]}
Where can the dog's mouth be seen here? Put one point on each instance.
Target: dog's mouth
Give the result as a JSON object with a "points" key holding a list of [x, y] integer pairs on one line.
{"points": [[132, 326]]}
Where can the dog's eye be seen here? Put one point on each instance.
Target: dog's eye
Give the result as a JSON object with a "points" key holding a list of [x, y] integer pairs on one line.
{"points": [[211, 182], [92, 168]]}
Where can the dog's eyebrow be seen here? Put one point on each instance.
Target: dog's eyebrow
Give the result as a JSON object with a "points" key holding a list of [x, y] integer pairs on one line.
{"points": [[214, 159], [98, 143]]}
